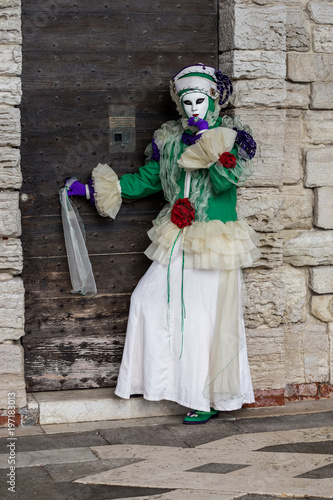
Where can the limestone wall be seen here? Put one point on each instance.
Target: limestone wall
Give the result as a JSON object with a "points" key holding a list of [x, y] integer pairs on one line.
{"points": [[11, 285], [280, 57]]}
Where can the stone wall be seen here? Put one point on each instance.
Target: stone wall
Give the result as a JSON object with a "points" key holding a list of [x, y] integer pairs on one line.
{"points": [[11, 285], [280, 57]]}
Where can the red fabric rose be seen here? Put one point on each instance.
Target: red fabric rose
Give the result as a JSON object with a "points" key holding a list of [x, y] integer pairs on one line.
{"points": [[182, 213], [228, 160]]}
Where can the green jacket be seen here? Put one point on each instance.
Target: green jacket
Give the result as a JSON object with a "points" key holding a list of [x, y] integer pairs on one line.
{"points": [[221, 204]]}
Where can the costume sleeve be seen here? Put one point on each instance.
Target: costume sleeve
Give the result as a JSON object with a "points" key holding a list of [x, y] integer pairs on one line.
{"points": [[222, 178], [109, 190], [143, 183]]}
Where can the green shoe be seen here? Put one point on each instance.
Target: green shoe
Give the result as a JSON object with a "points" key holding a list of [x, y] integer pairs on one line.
{"points": [[196, 417]]}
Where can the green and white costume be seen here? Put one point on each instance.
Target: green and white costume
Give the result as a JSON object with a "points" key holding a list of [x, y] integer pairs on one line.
{"points": [[185, 339]]}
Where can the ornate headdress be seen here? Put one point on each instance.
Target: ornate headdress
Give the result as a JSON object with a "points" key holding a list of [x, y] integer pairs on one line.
{"points": [[203, 79]]}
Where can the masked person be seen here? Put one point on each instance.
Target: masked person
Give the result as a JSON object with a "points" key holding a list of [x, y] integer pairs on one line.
{"points": [[185, 339]]}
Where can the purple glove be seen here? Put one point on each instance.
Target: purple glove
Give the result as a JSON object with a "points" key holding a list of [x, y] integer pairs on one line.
{"points": [[76, 189], [246, 142], [79, 189], [198, 122]]}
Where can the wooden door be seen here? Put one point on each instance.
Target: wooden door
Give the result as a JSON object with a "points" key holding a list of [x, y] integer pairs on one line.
{"points": [[80, 57]]}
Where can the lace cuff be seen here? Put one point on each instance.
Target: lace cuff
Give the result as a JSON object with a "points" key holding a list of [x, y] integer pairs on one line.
{"points": [[206, 151], [107, 191]]}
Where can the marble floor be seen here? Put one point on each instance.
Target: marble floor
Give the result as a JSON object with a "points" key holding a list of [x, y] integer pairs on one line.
{"points": [[248, 455]]}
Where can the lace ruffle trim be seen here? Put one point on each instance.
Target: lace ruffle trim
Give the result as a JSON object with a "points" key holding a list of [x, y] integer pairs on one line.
{"points": [[107, 191], [207, 245]]}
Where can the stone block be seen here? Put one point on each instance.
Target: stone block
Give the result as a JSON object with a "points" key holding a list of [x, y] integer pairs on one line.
{"points": [[307, 355], [308, 390], [11, 260], [319, 167], [266, 357], [290, 392], [323, 207], [263, 2], [265, 297], [294, 356], [297, 207], [262, 208], [10, 25], [11, 60], [318, 126], [316, 353], [321, 279], [10, 126], [91, 405], [309, 248], [323, 39], [322, 95], [11, 309], [247, 24], [11, 359], [20, 397], [270, 245], [295, 293], [5, 4], [330, 335], [268, 128], [309, 67], [292, 167], [321, 12], [253, 64], [10, 216], [322, 307], [297, 35], [297, 95], [10, 90], [10, 172], [326, 390], [16, 381], [252, 93]]}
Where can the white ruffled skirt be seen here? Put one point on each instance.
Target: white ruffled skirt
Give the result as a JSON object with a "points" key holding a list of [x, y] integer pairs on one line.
{"points": [[202, 365]]}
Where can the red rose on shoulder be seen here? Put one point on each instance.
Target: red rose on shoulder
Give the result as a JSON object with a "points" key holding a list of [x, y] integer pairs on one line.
{"points": [[182, 213], [228, 160]]}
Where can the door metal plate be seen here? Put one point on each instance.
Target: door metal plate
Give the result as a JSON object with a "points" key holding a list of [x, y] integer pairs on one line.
{"points": [[122, 128]]}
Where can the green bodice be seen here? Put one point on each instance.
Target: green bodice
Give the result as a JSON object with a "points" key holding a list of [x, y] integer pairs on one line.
{"points": [[221, 204]]}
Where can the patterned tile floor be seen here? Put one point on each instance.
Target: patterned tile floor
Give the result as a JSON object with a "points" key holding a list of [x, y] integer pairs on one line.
{"points": [[242, 455]]}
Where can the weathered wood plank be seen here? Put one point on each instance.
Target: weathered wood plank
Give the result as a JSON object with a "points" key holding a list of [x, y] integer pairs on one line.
{"points": [[76, 124], [98, 30], [50, 7], [101, 308], [74, 363], [46, 201], [128, 233], [76, 316], [83, 111], [143, 70], [49, 277], [102, 315]]}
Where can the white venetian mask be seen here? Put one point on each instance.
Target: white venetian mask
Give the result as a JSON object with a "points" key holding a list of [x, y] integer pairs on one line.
{"points": [[195, 104]]}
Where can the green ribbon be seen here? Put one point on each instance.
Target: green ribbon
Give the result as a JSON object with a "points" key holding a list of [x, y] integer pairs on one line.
{"points": [[183, 306], [182, 292], [172, 249]]}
